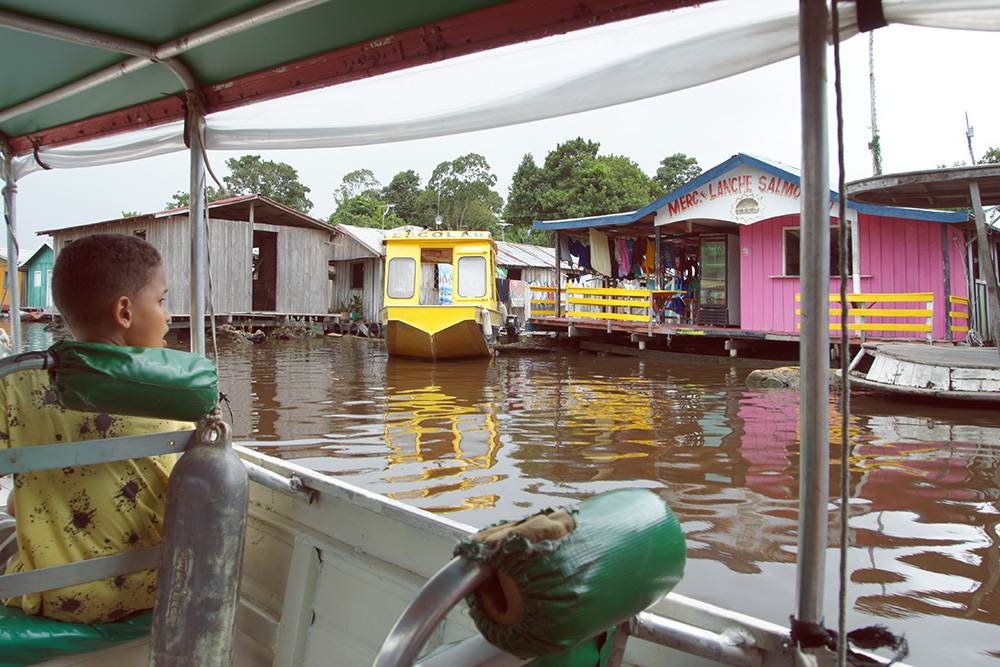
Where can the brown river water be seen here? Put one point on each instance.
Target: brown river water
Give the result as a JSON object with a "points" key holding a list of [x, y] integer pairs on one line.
{"points": [[484, 440]]}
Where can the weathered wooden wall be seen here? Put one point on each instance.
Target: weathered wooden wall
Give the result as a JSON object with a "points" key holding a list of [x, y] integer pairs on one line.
{"points": [[301, 274], [229, 257], [371, 294], [302, 269]]}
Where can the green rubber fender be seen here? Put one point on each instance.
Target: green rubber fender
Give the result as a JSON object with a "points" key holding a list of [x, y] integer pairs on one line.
{"points": [[564, 576], [136, 381]]}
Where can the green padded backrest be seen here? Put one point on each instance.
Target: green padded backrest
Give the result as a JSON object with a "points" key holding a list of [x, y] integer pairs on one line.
{"points": [[136, 381]]}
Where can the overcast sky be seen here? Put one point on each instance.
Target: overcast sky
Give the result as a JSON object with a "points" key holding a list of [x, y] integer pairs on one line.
{"points": [[926, 80]]}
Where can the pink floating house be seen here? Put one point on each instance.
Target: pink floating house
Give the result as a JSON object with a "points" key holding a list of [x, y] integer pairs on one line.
{"points": [[731, 238]]}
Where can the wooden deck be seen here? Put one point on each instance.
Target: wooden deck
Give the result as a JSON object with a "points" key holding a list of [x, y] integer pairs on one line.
{"points": [[674, 336]]}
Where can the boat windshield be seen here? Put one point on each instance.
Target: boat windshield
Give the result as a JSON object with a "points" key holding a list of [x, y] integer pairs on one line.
{"points": [[401, 278], [472, 277]]}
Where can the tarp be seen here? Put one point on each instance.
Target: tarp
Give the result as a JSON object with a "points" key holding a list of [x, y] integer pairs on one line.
{"points": [[631, 61]]}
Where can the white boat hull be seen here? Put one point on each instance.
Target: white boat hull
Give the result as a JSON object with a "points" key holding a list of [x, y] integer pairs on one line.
{"points": [[329, 570]]}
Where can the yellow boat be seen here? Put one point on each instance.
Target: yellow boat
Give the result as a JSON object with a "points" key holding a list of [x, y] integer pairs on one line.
{"points": [[440, 294]]}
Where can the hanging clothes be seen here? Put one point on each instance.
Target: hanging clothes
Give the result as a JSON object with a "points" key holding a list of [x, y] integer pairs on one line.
{"points": [[583, 253], [650, 257], [600, 255], [638, 256], [564, 249], [624, 259]]}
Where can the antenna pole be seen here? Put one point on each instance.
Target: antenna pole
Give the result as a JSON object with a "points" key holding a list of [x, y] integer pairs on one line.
{"points": [[969, 133], [874, 145]]}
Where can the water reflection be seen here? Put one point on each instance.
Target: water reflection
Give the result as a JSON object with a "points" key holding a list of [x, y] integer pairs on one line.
{"points": [[439, 419], [500, 438]]}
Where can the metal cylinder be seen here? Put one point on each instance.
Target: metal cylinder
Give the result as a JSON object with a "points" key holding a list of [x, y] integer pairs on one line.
{"points": [[814, 401], [197, 596]]}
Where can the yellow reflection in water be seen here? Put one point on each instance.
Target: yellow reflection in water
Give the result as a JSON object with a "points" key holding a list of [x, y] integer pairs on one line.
{"points": [[441, 432]]}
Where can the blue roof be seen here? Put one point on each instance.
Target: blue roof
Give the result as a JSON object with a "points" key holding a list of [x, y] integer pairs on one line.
{"points": [[774, 168]]}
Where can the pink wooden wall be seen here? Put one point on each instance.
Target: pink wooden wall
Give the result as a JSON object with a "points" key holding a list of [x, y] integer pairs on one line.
{"points": [[897, 255]]}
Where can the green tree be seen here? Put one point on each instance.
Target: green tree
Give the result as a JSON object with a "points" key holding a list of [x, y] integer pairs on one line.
{"points": [[359, 202], [358, 183], [403, 192], [605, 184], [464, 187], [676, 170], [523, 206], [575, 181], [992, 156], [567, 158], [183, 199], [361, 211], [275, 180]]}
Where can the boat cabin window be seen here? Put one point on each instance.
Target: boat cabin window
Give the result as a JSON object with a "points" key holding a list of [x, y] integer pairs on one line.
{"points": [[435, 256], [791, 238], [402, 278], [472, 278]]}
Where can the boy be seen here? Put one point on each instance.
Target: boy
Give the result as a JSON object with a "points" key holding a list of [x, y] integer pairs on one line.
{"points": [[109, 288]]}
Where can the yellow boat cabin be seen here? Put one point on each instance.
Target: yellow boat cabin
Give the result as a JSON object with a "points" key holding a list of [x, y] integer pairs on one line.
{"points": [[440, 294]]}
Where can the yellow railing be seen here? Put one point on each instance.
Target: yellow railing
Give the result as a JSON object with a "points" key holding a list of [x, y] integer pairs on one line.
{"points": [[925, 315], [598, 303], [542, 307], [609, 303], [958, 315]]}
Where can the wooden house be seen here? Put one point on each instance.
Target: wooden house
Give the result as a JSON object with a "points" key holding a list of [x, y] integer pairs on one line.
{"points": [[730, 238], [356, 269], [36, 279], [263, 257]]}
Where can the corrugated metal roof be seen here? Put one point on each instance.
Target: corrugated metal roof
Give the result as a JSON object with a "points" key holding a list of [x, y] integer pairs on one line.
{"points": [[525, 255], [369, 237]]}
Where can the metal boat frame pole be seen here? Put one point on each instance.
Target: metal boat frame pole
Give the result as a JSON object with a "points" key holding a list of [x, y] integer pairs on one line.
{"points": [[10, 215], [814, 349], [196, 224]]}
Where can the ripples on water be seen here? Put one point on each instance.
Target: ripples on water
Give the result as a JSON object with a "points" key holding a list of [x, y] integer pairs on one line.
{"points": [[483, 440]]}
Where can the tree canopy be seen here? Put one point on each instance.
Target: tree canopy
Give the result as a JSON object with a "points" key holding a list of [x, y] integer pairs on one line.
{"points": [[575, 181], [275, 180], [403, 193], [251, 175], [464, 188], [676, 170]]}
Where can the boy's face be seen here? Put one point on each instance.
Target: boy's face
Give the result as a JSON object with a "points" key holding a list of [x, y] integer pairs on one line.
{"points": [[150, 319]]}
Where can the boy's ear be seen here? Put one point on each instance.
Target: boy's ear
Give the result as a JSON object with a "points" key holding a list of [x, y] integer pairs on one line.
{"points": [[123, 312]]}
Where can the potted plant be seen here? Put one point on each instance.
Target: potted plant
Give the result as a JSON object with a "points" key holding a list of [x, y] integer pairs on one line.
{"points": [[354, 306]]}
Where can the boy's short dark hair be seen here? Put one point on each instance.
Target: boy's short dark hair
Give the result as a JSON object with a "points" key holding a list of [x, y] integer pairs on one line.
{"points": [[93, 270]]}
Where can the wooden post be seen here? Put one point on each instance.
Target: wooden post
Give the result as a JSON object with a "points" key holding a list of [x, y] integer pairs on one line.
{"points": [[658, 249], [558, 274], [946, 252], [986, 269]]}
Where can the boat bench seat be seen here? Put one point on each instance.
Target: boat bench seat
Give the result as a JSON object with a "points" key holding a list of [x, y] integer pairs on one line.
{"points": [[145, 382], [28, 639]]}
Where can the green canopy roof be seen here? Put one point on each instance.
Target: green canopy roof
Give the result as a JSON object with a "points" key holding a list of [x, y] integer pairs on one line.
{"points": [[75, 70]]}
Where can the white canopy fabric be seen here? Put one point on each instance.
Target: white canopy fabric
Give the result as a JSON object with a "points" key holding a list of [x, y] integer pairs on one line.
{"points": [[629, 61]]}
